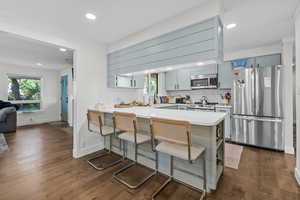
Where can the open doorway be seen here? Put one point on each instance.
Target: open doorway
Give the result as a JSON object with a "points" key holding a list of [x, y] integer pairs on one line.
{"points": [[30, 100]]}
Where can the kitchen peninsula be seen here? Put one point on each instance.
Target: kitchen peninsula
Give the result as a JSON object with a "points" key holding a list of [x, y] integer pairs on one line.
{"points": [[207, 130]]}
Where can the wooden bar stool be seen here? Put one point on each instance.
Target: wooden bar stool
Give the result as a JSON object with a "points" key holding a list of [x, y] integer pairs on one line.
{"points": [[96, 118], [127, 122], [175, 140]]}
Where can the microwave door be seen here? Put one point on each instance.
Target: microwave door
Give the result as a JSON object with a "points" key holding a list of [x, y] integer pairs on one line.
{"points": [[199, 83]]}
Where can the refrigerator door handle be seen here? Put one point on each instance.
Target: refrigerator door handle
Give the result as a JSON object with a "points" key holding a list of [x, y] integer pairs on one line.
{"points": [[252, 118]]}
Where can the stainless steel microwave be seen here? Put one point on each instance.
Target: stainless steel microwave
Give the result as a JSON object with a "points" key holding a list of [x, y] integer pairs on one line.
{"points": [[202, 81]]}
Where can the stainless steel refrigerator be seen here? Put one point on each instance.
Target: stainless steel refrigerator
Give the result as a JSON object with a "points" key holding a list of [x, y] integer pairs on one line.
{"points": [[257, 107]]}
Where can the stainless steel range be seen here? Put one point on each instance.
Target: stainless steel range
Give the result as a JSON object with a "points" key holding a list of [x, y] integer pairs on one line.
{"points": [[257, 107]]}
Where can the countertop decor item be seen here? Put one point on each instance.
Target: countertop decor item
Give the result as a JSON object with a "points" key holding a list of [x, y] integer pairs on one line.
{"points": [[227, 96]]}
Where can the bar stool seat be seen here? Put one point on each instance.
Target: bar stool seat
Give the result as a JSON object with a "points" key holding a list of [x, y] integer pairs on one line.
{"points": [[108, 130], [140, 138], [180, 151]]}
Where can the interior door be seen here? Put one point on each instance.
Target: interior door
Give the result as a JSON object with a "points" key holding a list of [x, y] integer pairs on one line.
{"points": [[243, 91], [64, 98]]}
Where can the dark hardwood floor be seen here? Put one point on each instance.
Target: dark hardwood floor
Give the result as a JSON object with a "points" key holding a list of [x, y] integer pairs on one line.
{"points": [[40, 166]]}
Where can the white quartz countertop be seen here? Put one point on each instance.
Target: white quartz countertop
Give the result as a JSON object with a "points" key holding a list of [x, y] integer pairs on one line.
{"points": [[195, 118]]}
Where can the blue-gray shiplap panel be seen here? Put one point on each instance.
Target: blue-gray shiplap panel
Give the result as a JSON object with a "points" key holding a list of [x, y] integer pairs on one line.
{"points": [[167, 62], [160, 48], [199, 27], [201, 47]]}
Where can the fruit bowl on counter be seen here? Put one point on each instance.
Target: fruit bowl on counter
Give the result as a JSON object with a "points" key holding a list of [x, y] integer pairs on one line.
{"points": [[132, 104]]}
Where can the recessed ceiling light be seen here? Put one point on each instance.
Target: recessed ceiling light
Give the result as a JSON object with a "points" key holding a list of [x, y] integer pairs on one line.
{"points": [[200, 63], [63, 49], [230, 26], [90, 16], [39, 64]]}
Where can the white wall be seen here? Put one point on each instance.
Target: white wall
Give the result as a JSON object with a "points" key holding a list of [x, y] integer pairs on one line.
{"points": [[287, 61], [259, 51], [297, 39], [68, 72], [195, 15], [50, 91], [90, 85]]}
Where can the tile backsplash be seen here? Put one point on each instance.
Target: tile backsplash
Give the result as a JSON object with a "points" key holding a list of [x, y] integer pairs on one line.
{"points": [[213, 95]]}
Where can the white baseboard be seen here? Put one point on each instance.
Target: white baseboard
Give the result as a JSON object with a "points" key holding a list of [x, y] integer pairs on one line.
{"points": [[297, 175], [86, 150], [289, 150]]}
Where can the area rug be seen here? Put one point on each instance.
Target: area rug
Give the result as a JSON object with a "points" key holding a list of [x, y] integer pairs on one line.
{"points": [[3, 144], [233, 154]]}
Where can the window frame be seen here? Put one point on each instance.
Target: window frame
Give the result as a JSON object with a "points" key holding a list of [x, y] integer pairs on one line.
{"points": [[147, 87], [17, 102]]}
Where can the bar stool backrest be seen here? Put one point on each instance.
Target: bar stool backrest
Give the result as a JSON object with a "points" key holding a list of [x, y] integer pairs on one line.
{"points": [[125, 121], [172, 131], [95, 117]]}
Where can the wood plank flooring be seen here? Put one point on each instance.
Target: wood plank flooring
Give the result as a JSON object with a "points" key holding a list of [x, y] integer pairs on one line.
{"points": [[40, 166]]}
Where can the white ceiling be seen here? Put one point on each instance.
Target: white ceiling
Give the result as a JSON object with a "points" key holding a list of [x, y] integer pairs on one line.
{"points": [[115, 18], [259, 22], [26, 52]]}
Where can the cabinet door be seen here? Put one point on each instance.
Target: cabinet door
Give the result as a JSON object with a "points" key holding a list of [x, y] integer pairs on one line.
{"points": [[225, 75], [183, 79], [124, 82], [267, 61], [171, 80], [138, 81]]}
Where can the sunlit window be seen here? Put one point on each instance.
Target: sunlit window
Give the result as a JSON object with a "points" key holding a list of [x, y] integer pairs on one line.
{"points": [[151, 84], [25, 92]]}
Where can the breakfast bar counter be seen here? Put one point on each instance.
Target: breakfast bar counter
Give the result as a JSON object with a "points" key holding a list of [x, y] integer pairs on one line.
{"points": [[207, 130]]}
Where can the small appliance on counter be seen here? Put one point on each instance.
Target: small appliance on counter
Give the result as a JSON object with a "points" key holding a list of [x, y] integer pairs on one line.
{"points": [[181, 100]]}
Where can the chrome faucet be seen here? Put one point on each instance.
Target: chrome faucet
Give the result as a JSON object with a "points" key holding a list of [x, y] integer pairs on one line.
{"points": [[204, 100]]}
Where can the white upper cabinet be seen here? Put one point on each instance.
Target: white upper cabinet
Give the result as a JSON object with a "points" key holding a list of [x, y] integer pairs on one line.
{"points": [[267, 61], [138, 81], [171, 80]]}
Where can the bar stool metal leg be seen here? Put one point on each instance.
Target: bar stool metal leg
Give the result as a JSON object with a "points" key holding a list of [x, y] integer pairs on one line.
{"points": [[170, 179], [115, 175], [107, 153]]}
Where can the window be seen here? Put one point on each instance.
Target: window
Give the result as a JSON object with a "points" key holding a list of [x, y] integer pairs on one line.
{"points": [[25, 92], [151, 84]]}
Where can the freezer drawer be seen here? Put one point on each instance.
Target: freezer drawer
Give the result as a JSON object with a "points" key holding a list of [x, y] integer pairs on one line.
{"points": [[258, 131]]}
